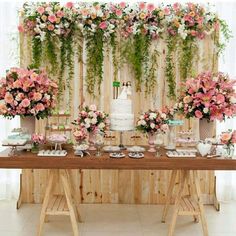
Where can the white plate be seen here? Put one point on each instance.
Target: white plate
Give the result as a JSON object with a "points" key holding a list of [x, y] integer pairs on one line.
{"points": [[136, 155], [117, 155]]}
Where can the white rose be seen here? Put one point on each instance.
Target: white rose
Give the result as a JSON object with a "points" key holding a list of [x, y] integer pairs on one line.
{"points": [[152, 116], [101, 125], [87, 121], [163, 116], [205, 110], [94, 121], [140, 122], [87, 125], [180, 105], [152, 125], [91, 113], [233, 100], [143, 122]]}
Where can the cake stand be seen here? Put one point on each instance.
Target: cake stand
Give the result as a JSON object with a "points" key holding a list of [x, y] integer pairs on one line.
{"points": [[121, 145]]}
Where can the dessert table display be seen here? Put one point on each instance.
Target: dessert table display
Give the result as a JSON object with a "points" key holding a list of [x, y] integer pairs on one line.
{"points": [[186, 167]]}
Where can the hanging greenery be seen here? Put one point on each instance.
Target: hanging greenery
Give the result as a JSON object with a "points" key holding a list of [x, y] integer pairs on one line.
{"points": [[53, 30], [94, 61], [187, 54], [170, 66]]}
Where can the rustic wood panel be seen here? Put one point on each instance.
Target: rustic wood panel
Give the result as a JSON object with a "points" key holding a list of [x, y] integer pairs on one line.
{"points": [[119, 186]]}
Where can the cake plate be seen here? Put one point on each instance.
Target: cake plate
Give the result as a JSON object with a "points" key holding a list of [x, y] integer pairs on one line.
{"points": [[121, 145]]}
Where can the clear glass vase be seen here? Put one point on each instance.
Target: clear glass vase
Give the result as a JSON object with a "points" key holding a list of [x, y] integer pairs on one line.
{"points": [[228, 151]]}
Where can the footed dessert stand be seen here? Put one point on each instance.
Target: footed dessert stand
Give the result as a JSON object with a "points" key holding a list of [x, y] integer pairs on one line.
{"points": [[121, 145]]}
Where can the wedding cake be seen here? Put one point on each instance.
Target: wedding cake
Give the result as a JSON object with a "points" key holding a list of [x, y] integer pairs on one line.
{"points": [[122, 118]]}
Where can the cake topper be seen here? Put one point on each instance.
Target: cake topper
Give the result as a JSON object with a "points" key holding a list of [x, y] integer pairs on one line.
{"points": [[125, 90]]}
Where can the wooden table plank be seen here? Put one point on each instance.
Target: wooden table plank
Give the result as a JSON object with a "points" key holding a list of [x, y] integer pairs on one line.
{"points": [[27, 160]]}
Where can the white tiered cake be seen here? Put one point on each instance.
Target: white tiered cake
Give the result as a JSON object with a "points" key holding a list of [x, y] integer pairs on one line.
{"points": [[122, 118]]}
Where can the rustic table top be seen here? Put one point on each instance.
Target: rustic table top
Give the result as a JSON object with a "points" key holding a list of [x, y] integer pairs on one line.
{"points": [[28, 160]]}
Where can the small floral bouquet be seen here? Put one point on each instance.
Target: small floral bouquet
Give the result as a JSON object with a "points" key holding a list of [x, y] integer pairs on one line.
{"points": [[27, 92], [228, 138], [152, 121], [37, 139], [210, 96], [92, 120], [80, 134]]}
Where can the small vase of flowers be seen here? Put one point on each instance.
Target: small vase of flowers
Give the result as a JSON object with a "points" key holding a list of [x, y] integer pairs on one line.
{"points": [[91, 121], [151, 123], [37, 140], [228, 138]]}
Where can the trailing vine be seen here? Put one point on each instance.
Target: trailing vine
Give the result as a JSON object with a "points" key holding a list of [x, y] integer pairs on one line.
{"points": [[94, 61], [169, 69], [188, 51], [150, 80], [37, 49], [113, 42], [51, 52]]}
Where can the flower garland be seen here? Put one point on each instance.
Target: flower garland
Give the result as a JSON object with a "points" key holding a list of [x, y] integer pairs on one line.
{"points": [[128, 28], [27, 92]]}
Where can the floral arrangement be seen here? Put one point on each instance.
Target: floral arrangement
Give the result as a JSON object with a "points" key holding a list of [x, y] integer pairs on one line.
{"points": [[80, 134], [91, 120], [27, 92], [210, 96], [37, 139], [99, 23], [228, 138], [169, 112], [152, 121]]}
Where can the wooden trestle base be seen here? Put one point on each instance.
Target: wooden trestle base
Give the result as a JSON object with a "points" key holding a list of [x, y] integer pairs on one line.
{"points": [[59, 204], [190, 204]]}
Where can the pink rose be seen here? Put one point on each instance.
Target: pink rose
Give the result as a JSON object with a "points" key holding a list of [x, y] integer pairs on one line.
{"points": [[25, 102], [69, 4], [225, 137], [3, 109], [51, 27], [60, 14], [220, 98], [52, 18], [8, 98], [150, 7], [118, 12], [198, 114], [21, 28], [39, 107], [167, 11], [176, 6], [103, 25], [142, 5], [122, 5], [37, 96], [40, 10]]}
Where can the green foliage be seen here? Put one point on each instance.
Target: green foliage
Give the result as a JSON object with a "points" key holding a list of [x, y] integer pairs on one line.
{"points": [[170, 66], [36, 51], [226, 34], [113, 42], [94, 61], [187, 54], [51, 52]]}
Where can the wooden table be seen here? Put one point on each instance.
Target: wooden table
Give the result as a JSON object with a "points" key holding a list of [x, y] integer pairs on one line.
{"points": [[190, 204]]}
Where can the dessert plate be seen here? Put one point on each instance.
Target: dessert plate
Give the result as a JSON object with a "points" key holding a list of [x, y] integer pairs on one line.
{"points": [[136, 155], [117, 155]]}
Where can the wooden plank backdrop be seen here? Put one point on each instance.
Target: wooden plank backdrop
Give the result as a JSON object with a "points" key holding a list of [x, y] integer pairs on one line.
{"points": [[113, 186]]}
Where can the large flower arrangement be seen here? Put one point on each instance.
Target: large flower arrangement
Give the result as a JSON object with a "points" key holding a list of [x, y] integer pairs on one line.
{"points": [[138, 24], [27, 92], [210, 96], [91, 120], [152, 121]]}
